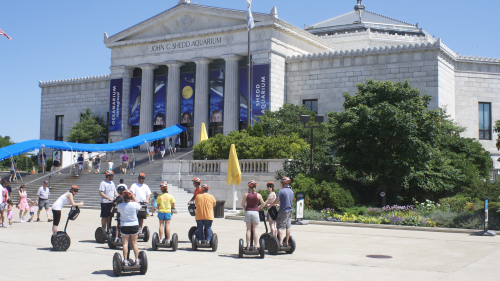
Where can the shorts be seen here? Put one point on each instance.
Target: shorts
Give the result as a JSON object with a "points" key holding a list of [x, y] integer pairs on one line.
{"points": [[106, 210], [43, 203], [32, 213], [2, 206], [130, 230], [165, 216], [12, 172], [177, 146], [151, 152], [284, 220], [97, 166], [124, 165], [56, 216], [56, 163], [80, 166], [252, 216]]}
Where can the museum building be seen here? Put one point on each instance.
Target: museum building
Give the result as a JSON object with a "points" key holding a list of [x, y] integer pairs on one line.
{"points": [[188, 65]]}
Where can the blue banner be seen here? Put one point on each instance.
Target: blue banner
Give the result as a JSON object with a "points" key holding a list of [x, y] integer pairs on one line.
{"points": [[216, 95], [160, 100], [260, 90], [135, 101], [243, 93], [115, 105], [187, 97]]}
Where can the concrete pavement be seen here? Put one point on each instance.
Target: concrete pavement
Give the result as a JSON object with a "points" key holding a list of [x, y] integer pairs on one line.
{"points": [[323, 252]]}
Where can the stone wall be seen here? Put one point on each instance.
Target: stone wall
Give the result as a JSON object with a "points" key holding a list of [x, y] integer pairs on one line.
{"points": [[70, 98]]}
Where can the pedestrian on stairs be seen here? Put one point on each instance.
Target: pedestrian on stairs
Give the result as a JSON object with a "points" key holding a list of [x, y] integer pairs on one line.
{"points": [[124, 160], [107, 190], [162, 149]]}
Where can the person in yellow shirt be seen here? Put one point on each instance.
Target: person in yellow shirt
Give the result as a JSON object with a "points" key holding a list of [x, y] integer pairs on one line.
{"points": [[165, 204], [205, 204]]}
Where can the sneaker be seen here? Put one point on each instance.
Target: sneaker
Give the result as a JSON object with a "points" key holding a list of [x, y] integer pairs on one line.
{"points": [[21, 220], [1, 224], [167, 242], [38, 219], [125, 263], [137, 262], [117, 239], [10, 225], [30, 220]]}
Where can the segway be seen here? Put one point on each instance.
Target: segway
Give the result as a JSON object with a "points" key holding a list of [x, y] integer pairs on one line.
{"points": [[272, 244], [192, 230], [118, 266], [156, 243], [251, 251], [145, 230], [111, 237], [61, 241]]}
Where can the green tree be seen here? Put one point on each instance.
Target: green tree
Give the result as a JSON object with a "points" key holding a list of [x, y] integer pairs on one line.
{"points": [[388, 136], [89, 129]]}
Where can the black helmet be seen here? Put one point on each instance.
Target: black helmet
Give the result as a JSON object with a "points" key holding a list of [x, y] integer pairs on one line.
{"points": [[121, 189]]}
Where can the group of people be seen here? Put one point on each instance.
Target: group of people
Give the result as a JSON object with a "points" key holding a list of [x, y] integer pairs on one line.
{"points": [[24, 204], [161, 149]]}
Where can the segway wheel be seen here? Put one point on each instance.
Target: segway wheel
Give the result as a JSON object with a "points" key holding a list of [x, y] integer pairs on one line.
{"points": [[266, 237], [117, 264], [145, 231], [240, 249], [110, 241], [291, 242], [214, 242], [193, 242], [192, 231], [61, 241], [273, 245], [100, 235], [174, 242], [262, 248], [154, 241], [52, 240], [144, 262]]}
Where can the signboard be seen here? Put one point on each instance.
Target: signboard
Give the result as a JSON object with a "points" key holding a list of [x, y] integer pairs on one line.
{"points": [[216, 95], [299, 210], [115, 105], [260, 89], [160, 101], [135, 101], [485, 214], [187, 97]]}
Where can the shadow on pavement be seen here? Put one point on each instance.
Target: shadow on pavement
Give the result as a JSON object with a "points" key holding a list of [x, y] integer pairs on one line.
{"points": [[229, 256], [105, 272], [50, 249], [89, 241]]}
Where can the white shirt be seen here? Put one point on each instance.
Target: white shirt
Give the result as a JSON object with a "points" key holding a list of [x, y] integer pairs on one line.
{"points": [[109, 190], [43, 194], [61, 201], [151, 149], [140, 191], [128, 213], [1, 193], [56, 157], [110, 165]]}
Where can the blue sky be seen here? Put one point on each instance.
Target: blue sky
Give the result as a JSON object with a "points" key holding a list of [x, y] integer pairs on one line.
{"points": [[55, 39]]}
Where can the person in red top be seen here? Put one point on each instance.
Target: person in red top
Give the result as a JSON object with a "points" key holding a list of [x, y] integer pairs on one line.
{"points": [[252, 209], [197, 189]]}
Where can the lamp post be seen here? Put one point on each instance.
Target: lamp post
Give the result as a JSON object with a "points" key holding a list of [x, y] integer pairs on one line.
{"points": [[305, 119]]}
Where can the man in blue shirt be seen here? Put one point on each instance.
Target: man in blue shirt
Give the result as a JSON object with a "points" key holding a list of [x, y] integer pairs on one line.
{"points": [[284, 220]]}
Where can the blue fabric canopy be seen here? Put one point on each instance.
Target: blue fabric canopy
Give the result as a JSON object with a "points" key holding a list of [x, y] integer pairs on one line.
{"points": [[26, 146]]}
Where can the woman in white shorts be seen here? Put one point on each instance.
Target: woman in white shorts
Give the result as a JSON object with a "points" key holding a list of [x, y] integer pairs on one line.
{"points": [[252, 209]]}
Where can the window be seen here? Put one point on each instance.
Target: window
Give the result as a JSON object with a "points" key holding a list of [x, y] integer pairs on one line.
{"points": [[59, 127], [485, 121], [311, 105]]}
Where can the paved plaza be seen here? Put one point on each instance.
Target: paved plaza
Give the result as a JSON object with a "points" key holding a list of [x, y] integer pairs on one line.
{"points": [[324, 252]]}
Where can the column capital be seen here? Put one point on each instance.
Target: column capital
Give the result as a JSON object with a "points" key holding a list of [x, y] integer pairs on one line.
{"points": [[173, 63], [148, 66], [202, 60], [231, 57]]}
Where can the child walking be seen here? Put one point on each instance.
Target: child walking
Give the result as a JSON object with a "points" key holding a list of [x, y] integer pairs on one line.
{"points": [[10, 212], [155, 205], [32, 210]]}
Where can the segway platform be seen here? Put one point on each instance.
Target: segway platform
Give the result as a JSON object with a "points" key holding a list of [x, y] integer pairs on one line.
{"points": [[156, 243], [253, 251], [119, 268]]}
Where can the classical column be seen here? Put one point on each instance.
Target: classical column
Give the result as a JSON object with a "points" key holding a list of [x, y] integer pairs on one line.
{"points": [[201, 97], [126, 73], [173, 93], [147, 88], [231, 95]]}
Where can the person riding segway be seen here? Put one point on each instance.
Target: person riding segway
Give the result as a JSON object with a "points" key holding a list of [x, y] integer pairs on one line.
{"points": [[142, 194], [252, 218], [166, 203], [205, 204], [129, 231], [60, 239], [192, 206], [107, 191], [114, 238]]}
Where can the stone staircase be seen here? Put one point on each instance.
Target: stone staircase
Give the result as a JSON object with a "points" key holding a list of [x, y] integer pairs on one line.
{"points": [[89, 183]]}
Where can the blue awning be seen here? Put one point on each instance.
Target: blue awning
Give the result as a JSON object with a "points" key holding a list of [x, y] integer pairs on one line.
{"points": [[27, 146]]}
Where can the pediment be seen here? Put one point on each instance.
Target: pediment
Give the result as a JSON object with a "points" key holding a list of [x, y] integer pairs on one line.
{"points": [[184, 19]]}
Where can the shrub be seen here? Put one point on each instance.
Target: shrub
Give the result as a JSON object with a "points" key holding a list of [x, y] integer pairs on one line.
{"points": [[324, 195], [459, 203]]}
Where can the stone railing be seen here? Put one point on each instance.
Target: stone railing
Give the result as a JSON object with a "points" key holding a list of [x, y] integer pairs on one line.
{"points": [[204, 166]]}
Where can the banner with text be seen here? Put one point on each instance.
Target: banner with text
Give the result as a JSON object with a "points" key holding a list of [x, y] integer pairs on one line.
{"points": [[260, 90], [135, 101], [187, 99], [216, 95], [115, 105], [160, 100]]}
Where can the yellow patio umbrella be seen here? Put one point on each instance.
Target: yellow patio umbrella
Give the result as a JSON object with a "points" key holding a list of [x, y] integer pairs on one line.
{"points": [[233, 172], [203, 132]]}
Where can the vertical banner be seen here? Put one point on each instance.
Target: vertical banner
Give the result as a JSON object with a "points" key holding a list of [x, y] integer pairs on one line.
{"points": [[160, 100], [216, 95], [187, 99], [299, 210], [260, 90], [115, 105], [243, 93], [135, 101]]}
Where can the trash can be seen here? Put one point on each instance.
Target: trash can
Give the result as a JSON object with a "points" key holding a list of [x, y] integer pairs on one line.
{"points": [[219, 209]]}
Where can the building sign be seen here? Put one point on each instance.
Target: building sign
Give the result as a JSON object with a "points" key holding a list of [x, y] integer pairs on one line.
{"points": [[260, 89], [187, 97], [135, 101], [216, 95], [184, 45], [160, 100], [299, 210], [115, 105]]}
